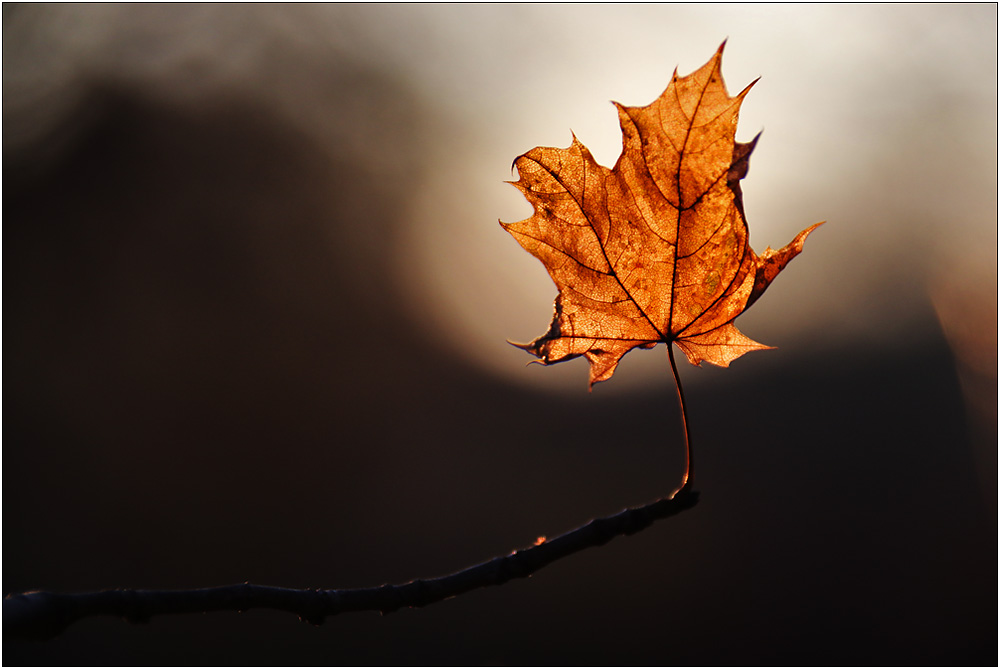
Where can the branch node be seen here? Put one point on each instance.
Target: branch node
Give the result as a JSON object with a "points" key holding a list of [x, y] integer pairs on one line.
{"points": [[390, 592], [417, 593], [316, 614], [135, 606]]}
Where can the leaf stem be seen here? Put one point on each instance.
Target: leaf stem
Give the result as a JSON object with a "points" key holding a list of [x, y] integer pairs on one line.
{"points": [[688, 479]]}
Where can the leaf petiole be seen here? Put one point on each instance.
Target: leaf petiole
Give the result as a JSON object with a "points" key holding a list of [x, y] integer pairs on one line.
{"points": [[688, 479]]}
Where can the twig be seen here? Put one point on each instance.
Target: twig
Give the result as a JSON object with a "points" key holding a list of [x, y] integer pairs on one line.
{"points": [[42, 615]]}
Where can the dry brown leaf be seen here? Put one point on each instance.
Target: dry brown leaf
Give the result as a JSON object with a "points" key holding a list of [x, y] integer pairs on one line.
{"points": [[657, 248]]}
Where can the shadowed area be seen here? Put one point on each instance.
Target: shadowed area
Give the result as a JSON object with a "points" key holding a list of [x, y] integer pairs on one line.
{"points": [[217, 371]]}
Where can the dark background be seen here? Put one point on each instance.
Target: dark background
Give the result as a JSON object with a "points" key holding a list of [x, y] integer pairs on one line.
{"points": [[215, 373]]}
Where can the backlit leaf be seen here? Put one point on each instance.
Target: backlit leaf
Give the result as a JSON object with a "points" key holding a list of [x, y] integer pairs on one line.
{"points": [[657, 248]]}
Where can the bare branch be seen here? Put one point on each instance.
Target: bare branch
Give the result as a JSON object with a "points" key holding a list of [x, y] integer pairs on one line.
{"points": [[42, 615]]}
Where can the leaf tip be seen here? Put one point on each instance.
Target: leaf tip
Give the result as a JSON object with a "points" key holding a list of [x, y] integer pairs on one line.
{"points": [[742, 94], [800, 238], [716, 61], [523, 347]]}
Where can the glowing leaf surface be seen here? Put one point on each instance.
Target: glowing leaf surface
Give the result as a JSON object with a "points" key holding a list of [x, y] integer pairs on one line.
{"points": [[657, 248]]}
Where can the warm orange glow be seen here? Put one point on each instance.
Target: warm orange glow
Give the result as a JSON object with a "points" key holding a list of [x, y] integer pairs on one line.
{"points": [[540, 540], [657, 248]]}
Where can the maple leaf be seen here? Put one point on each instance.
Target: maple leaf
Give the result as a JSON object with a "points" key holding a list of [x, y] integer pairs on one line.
{"points": [[657, 248]]}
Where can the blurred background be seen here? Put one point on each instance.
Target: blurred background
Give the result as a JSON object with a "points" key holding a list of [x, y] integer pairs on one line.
{"points": [[257, 301]]}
